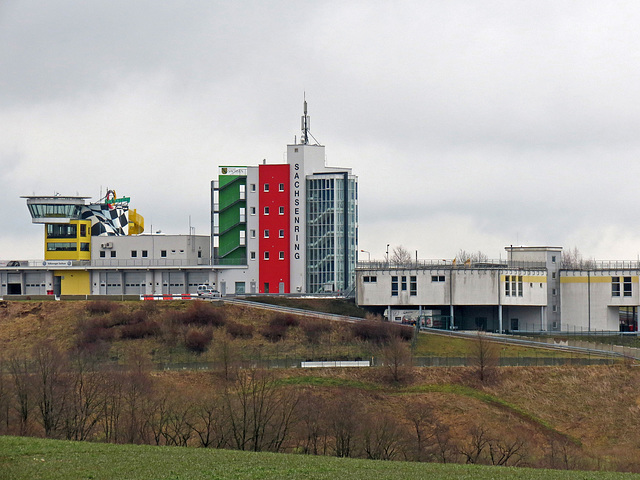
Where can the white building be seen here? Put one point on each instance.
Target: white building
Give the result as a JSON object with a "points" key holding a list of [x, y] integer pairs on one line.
{"points": [[530, 290]]}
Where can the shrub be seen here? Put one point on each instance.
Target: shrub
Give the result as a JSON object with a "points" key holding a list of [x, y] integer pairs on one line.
{"points": [[146, 328], [274, 332], [239, 330], [285, 319], [315, 328], [101, 306], [202, 313], [93, 335], [120, 317], [381, 332], [198, 340]]}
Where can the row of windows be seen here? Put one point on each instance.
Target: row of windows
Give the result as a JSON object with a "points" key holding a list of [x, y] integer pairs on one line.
{"points": [[266, 187], [626, 286], [65, 230], [252, 255], [266, 233], [413, 285], [67, 247], [252, 210], [143, 253], [513, 285]]}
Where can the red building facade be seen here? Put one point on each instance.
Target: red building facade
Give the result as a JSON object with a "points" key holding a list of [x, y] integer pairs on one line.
{"points": [[274, 229]]}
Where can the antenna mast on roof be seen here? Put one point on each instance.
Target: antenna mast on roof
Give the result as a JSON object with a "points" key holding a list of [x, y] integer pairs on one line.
{"points": [[306, 126]]}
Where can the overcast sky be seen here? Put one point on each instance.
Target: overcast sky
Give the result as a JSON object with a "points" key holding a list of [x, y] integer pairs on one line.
{"points": [[471, 125]]}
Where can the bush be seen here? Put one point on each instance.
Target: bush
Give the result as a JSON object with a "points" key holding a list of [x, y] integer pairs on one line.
{"points": [[93, 335], [202, 313], [146, 328], [274, 332], [315, 328], [198, 340], [239, 330], [285, 319], [101, 306], [381, 332]]}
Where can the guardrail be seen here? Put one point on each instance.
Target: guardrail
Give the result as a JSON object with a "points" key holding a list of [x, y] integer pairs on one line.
{"points": [[292, 310], [621, 352]]}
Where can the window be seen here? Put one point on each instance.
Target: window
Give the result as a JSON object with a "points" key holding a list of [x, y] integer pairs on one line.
{"points": [[394, 286], [163, 253], [404, 283], [85, 247], [513, 285], [61, 231], [520, 285], [281, 233], [253, 187], [113, 254], [627, 286], [553, 259], [437, 278], [281, 211], [554, 308], [83, 230], [240, 288], [252, 210], [615, 286], [413, 285], [266, 255], [266, 234], [372, 279], [253, 255], [554, 292], [266, 210], [281, 255], [134, 253], [266, 187], [281, 187], [553, 274], [145, 254], [102, 253], [253, 234]]}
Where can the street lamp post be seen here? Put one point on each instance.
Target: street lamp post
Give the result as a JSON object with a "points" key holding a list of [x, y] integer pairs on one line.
{"points": [[368, 253], [387, 254]]}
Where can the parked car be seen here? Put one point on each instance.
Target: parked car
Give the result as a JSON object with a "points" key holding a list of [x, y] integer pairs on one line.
{"points": [[207, 291]]}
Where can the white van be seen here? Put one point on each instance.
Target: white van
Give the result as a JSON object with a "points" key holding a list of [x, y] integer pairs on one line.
{"points": [[207, 291]]}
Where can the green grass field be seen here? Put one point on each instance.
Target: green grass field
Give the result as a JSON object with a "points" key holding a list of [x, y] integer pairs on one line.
{"points": [[29, 458]]}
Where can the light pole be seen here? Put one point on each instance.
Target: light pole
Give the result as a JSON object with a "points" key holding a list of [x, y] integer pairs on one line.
{"points": [[387, 254], [368, 253]]}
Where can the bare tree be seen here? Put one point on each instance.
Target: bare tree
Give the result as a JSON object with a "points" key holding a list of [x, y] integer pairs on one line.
{"points": [[19, 368], [400, 256], [259, 414], [572, 258], [84, 407], [506, 451], [50, 390], [209, 421], [381, 436], [484, 357], [464, 257], [313, 415], [345, 421], [473, 447], [397, 359]]}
